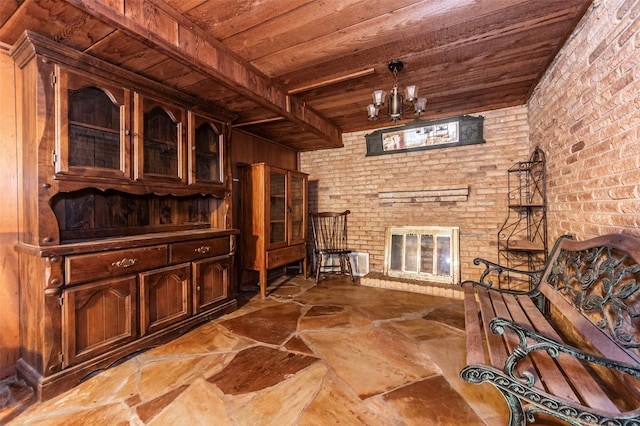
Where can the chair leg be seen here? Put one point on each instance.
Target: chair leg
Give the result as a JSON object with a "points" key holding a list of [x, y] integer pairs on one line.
{"points": [[318, 263], [346, 257]]}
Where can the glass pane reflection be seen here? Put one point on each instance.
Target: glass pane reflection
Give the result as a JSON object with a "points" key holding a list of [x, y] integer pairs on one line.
{"points": [[444, 256], [411, 253], [396, 252]]}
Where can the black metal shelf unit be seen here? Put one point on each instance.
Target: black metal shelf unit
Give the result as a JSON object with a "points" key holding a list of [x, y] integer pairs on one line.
{"points": [[522, 239]]}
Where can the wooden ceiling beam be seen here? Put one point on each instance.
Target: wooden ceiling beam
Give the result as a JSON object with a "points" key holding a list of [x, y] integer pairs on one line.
{"points": [[329, 81], [161, 28]]}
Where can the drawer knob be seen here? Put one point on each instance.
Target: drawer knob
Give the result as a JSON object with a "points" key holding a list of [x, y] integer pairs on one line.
{"points": [[203, 249], [125, 263]]}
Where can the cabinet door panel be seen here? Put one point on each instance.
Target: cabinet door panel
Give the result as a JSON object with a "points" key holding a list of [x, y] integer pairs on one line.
{"points": [[211, 282], [297, 208], [165, 297], [92, 120], [159, 140], [205, 148], [98, 317], [277, 208]]}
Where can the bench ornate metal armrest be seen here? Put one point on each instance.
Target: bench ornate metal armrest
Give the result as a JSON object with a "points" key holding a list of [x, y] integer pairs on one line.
{"points": [[493, 269], [518, 386]]}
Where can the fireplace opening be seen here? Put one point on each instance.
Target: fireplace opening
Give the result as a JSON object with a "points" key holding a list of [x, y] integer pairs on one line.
{"points": [[427, 253]]}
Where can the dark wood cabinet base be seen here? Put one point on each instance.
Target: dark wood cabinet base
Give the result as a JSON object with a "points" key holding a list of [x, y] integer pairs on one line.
{"points": [[50, 386]]}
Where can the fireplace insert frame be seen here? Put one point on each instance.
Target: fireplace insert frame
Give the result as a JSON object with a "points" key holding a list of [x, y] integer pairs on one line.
{"points": [[419, 268]]}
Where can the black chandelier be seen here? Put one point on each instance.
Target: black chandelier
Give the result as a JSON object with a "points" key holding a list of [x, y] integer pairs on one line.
{"points": [[396, 111]]}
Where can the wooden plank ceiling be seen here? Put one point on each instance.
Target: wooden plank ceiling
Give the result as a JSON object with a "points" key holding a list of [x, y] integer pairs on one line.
{"points": [[301, 72]]}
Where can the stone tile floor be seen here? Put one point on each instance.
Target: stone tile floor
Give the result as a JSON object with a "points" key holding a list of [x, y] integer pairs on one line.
{"points": [[333, 354]]}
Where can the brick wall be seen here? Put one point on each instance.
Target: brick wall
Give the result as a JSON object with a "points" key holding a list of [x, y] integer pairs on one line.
{"points": [[345, 178], [585, 114]]}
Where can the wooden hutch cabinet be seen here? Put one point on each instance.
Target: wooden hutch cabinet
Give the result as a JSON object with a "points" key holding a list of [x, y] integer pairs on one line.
{"points": [[274, 220], [125, 232]]}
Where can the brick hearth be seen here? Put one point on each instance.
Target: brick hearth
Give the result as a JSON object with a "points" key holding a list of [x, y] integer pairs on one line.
{"points": [[378, 279]]}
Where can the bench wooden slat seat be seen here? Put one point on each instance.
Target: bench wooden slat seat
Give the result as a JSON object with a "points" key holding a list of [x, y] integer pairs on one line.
{"points": [[568, 347]]}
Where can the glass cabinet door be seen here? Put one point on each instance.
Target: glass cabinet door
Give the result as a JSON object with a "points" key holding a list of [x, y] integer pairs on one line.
{"points": [[205, 146], [92, 126], [297, 208], [160, 150], [277, 207]]}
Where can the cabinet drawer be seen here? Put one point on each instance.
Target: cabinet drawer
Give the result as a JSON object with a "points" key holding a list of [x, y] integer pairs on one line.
{"points": [[200, 249], [109, 264], [286, 255]]}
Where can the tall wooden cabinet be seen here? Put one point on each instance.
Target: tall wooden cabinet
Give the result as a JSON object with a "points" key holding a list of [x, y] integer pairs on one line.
{"points": [[273, 227], [125, 234]]}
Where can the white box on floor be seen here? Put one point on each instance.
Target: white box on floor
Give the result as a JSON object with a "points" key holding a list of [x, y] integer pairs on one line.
{"points": [[359, 263]]}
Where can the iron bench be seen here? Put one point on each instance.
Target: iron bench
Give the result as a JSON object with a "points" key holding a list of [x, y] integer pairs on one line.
{"points": [[568, 347]]}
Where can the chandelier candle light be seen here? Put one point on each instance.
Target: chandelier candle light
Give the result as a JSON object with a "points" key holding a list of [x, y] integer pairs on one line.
{"points": [[396, 111]]}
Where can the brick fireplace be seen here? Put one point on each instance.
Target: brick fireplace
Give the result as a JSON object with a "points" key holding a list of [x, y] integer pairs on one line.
{"points": [[464, 186]]}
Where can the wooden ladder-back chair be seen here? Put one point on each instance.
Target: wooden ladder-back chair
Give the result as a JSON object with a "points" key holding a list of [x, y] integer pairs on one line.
{"points": [[330, 239]]}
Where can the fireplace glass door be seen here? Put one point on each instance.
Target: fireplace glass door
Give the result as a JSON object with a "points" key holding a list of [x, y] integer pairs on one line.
{"points": [[428, 253]]}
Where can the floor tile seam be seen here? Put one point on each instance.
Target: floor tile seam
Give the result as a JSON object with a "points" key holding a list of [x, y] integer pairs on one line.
{"points": [[134, 417], [280, 347], [373, 324], [404, 317], [332, 329], [186, 355], [240, 312], [177, 384], [437, 373], [337, 377], [66, 411], [303, 314], [451, 328], [376, 401], [65, 408], [297, 335], [331, 374], [286, 299], [255, 343], [137, 366], [345, 387], [138, 377], [317, 391], [229, 399], [422, 314], [456, 384], [409, 383], [225, 398], [318, 354], [134, 408]]}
